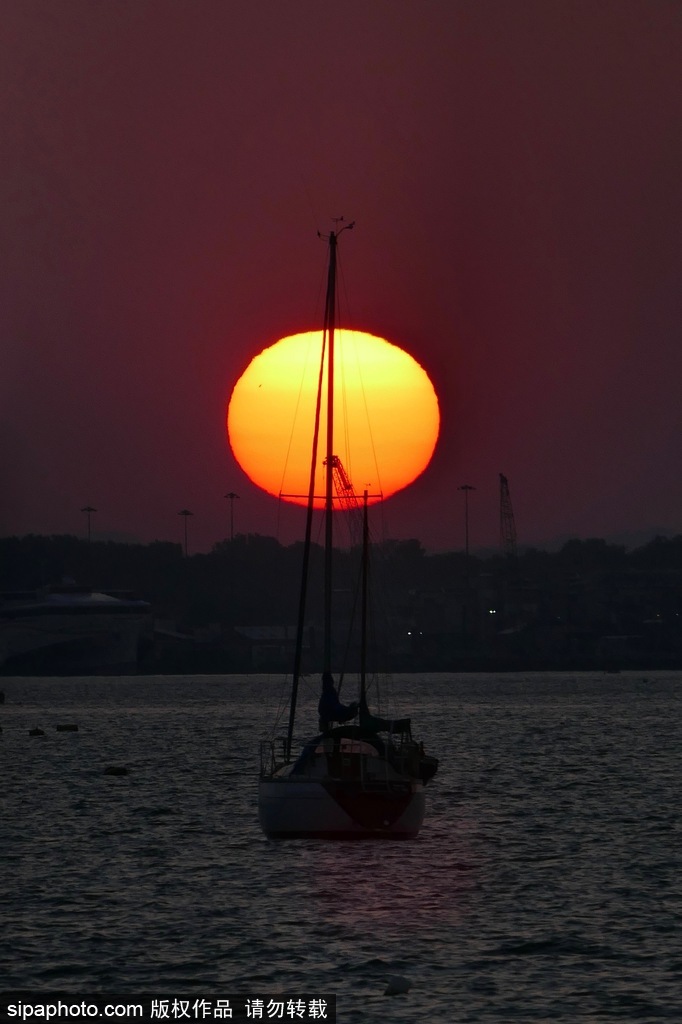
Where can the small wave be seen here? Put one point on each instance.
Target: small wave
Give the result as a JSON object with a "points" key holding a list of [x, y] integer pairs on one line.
{"points": [[554, 945]]}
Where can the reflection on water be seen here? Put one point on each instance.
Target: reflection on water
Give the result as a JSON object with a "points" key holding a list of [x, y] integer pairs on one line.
{"points": [[389, 888], [544, 886]]}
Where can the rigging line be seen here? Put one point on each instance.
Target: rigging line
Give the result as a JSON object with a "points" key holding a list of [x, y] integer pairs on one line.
{"points": [[368, 419], [312, 341], [374, 624], [294, 418], [306, 550], [281, 703], [378, 611], [344, 289], [351, 627], [319, 312], [347, 458], [318, 308]]}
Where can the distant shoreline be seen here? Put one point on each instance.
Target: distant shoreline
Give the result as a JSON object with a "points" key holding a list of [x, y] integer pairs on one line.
{"points": [[484, 665]]}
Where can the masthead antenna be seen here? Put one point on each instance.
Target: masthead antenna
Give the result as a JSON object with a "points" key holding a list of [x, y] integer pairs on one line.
{"points": [[337, 230]]}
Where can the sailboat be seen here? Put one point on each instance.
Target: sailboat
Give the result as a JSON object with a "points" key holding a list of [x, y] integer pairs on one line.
{"points": [[360, 775]]}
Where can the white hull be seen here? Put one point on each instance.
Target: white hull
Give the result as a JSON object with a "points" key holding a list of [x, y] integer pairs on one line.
{"points": [[290, 807]]}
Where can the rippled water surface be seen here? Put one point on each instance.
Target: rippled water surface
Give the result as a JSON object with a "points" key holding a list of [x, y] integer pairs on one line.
{"points": [[545, 885]]}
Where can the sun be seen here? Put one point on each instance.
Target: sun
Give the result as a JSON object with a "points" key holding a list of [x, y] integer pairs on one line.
{"points": [[386, 416]]}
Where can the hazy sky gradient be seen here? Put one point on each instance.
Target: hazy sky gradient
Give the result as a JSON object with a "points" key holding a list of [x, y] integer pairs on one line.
{"points": [[514, 171]]}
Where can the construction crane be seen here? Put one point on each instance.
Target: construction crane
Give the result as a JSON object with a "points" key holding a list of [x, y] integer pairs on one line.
{"points": [[507, 527], [343, 486], [347, 497]]}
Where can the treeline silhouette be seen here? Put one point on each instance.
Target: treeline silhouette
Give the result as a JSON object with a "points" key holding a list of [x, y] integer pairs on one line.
{"points": [[591, 603]]}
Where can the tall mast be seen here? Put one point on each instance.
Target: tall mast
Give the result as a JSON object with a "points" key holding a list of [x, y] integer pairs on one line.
{"points": [[298, 653], [329, 328], [363, 632], [328, 356]]}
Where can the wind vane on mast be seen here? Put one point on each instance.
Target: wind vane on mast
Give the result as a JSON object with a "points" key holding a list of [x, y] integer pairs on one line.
{"points": [[337, 229]]}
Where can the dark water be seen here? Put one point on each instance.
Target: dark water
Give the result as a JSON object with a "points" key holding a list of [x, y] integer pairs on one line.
{"points": [[546, 885]]}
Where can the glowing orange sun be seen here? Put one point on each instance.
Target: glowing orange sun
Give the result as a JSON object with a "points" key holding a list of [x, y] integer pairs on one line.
{"points": [[386, 415]]}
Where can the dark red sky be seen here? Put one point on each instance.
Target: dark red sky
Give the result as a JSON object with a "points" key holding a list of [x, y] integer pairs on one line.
{"points": [[514, 171]]}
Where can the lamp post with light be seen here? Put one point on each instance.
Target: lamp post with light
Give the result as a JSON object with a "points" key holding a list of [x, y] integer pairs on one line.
{"points": [[466, 488], [185, 513], [88, 509], [231, 496]]}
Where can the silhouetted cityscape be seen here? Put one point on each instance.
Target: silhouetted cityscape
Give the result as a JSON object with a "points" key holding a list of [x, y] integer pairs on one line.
{"points": [[592, 604]]}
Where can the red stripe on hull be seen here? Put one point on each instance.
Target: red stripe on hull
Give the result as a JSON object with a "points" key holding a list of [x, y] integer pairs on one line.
{"points": [[375, 811]]}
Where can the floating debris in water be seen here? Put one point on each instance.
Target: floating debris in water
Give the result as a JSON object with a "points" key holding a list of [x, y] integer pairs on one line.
{"points": [[36, 732], [67, 728], [397, 985], [116, 769]]}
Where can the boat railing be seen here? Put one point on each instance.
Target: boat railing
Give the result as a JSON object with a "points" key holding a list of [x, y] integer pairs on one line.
{"points": [[273, 756], [398, 762], [405, 756]]}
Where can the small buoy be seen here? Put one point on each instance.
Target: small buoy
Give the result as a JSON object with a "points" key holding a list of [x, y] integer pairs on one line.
{"points": [[67, 728], [36, 732], [116, 769], [397, 986]]}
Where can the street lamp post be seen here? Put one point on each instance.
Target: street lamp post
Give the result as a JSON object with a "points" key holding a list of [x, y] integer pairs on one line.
{"points": [[185, 513], [231, 495], [88, 509], [466, 488]]}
